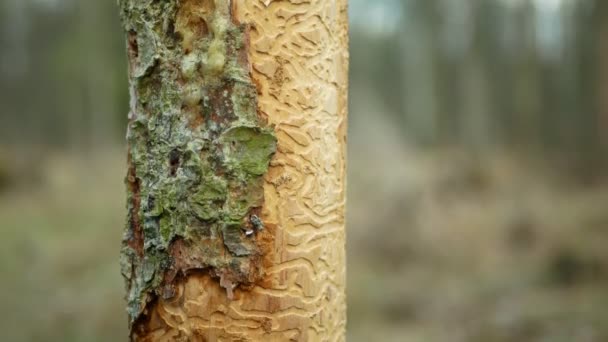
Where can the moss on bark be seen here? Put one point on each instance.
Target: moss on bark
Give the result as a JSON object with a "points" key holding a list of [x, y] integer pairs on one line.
{"points": [[197, 149]]}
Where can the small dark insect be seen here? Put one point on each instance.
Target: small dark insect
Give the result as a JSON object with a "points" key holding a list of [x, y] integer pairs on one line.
{"points": [[174, 162], [256, 222], [174, 157], [256, 225]]}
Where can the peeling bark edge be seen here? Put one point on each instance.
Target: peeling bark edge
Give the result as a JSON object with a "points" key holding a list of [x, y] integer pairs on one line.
{"points": [[197, 155]]}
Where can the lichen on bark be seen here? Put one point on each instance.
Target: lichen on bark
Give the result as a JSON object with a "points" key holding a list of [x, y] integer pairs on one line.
{"points": [[198, 150]]}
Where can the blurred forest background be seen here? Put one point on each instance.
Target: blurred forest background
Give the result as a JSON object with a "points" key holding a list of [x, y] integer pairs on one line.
{"points": [[478, 196]]}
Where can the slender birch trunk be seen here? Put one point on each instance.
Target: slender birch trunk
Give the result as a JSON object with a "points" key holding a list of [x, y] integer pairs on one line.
{"points": [[236, 181]]}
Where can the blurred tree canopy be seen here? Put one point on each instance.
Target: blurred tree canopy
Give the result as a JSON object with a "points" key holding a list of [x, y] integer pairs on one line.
{"points": [[528, 75], [63, 72]]}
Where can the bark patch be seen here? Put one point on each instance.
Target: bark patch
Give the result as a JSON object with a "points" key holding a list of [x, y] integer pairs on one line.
{"points": [[198, 152]]}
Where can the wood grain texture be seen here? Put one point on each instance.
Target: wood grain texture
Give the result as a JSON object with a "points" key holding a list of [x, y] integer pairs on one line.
{"points": [[299, 60]]}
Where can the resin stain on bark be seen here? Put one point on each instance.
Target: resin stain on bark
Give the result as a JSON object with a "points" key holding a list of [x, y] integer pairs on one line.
{"points": [[198, 151]]}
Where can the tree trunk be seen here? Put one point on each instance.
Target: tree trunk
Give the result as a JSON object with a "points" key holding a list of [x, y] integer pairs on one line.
{"points": [[236, 170]]}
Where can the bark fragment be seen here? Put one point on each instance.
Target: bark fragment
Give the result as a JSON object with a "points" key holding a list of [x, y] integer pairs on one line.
{"points": [[197, 150]]}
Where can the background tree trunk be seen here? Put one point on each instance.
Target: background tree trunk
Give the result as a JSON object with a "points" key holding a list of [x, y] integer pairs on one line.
{"points": [[236, 170]]}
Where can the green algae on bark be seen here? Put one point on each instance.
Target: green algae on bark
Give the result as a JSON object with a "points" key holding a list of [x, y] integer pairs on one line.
{"points": [[197, 149]]}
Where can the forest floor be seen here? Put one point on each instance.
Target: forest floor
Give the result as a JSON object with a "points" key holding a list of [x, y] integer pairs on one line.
{"points": [[442, 247], [453, 248]]}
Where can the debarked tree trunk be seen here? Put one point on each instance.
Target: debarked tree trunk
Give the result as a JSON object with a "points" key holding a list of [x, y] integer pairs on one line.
{"points": [[236, 181]]}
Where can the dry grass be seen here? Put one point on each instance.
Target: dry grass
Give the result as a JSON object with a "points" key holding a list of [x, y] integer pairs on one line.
{"points": [[61, 238], [445, 246]]}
